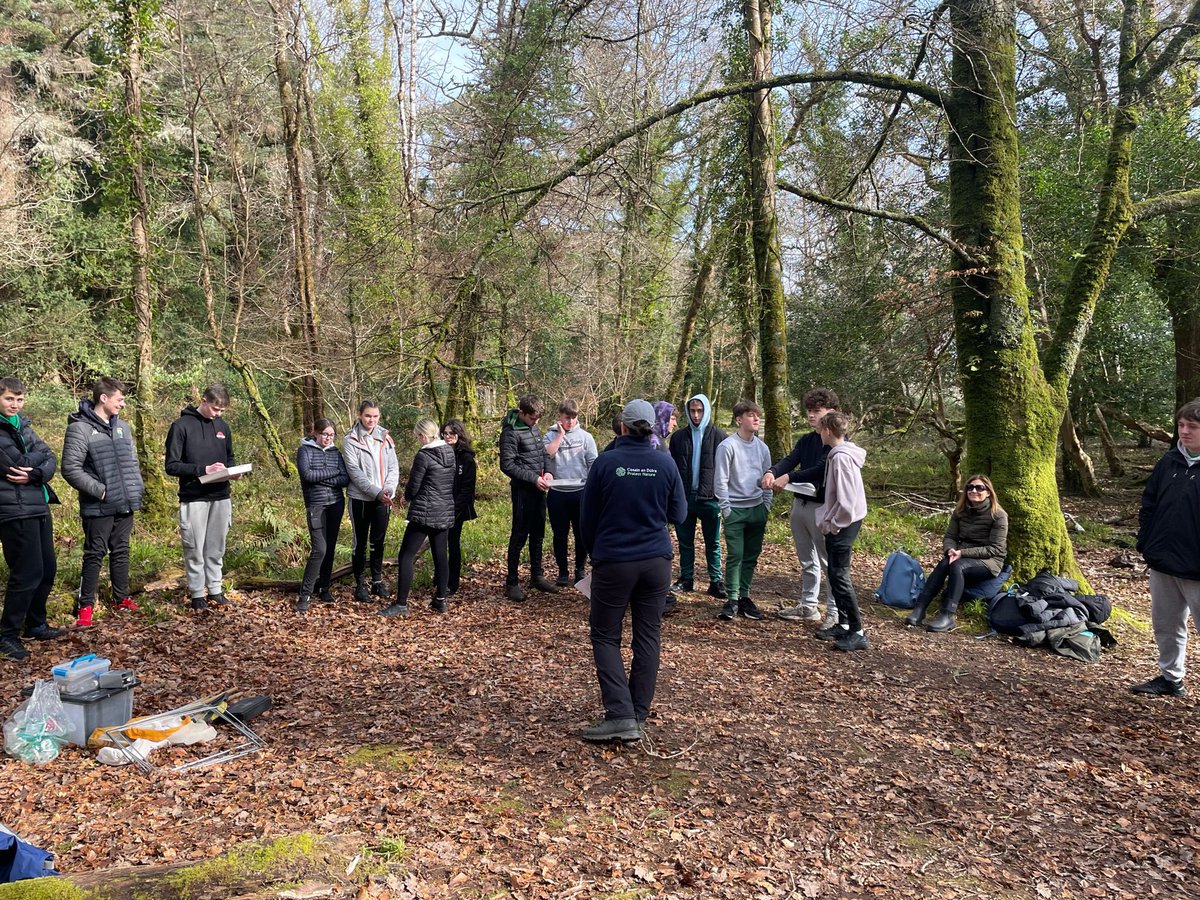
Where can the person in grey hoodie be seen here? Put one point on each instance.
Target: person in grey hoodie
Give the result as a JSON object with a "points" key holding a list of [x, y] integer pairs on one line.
{"points": [[570, 452], [322, 477], [742, 460], [694, 450], [374, 472], [840, 519], [429, 494], [99, 461]]}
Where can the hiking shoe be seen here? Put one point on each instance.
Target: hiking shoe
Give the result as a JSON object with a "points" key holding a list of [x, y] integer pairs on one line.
{"points": [[832, 633], [362, 593], [11, 648], [613, 730], [562, 581], [749, 609], [396, 609], [218, 599], [438, 604], [540, 582], [1162, 686], [381, 590], [682, 586], [670, 605], [325, 596], [83, 618], [717, 589], [799, 613], [199, 603], [851, 641], [728, 612], [830, 620], [44, 633], [513, 592], [126, 605]]}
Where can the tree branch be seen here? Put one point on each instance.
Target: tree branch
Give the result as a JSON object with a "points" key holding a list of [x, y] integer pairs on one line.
{"points": [[1166, 204], [890, 215], [1186, 30]]}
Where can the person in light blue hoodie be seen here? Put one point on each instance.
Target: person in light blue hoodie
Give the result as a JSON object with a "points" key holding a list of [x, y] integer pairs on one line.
{"points": [[694, 450]]}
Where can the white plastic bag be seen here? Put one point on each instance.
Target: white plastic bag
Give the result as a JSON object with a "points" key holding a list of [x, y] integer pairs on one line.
{"points": [[37, 729]]}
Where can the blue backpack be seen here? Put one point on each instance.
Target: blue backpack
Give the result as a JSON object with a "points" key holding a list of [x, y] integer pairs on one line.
{"points": [[903, 579]]}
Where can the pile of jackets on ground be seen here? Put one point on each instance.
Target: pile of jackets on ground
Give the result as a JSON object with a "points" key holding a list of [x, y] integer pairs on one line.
{"points": [[1048, 611]]}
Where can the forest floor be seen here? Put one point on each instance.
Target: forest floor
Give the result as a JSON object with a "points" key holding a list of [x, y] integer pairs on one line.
{"points": [[931, 765]]}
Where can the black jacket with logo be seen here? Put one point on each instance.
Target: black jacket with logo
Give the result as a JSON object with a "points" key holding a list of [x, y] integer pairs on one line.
{"points": [[100, 462], [193, 444], [21, 447], [1169, 536]]}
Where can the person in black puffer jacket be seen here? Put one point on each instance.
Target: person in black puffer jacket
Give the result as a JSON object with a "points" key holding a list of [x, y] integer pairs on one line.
{"points": [[26, 466], [429, 494], [322, 476], [99, 461], [523, 460], [455, 434], [974, 549], [1169, 540]]}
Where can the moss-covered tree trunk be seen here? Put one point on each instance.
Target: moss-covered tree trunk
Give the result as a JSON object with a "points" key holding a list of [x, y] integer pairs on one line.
{"points": [[768, 263], [701, 281], [1012, 413]]}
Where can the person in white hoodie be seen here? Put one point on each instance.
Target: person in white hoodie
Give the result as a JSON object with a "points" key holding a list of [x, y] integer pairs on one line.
{"points": [[840, 519], [374, 472]]}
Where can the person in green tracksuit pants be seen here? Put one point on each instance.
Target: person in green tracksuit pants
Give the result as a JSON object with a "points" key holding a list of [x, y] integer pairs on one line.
{"points": [[742, 459]]}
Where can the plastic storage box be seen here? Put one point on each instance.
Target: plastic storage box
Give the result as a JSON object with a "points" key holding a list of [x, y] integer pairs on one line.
{"points": [[99, 708], [79, 676]]}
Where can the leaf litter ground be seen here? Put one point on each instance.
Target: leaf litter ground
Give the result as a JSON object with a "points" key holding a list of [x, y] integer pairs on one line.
{"points": [[932, 765]]}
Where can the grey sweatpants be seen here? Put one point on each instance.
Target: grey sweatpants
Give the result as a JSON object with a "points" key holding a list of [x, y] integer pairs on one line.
{"points": [[203, 526], [1171, 599], [810, 550]]}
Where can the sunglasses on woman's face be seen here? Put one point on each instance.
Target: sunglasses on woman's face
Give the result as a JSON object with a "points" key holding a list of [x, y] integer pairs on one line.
{"points": [[976, 489]]}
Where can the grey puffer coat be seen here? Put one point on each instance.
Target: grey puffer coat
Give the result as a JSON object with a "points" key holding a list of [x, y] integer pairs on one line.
{"points": [[100, 462], [430, 487]]}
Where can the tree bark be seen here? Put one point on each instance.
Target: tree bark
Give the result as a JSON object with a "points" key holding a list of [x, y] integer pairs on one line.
{"points": [[1177, 275], [701, 282], [1079, 475], [768, 264], [1115, 468], [1012, 412]]}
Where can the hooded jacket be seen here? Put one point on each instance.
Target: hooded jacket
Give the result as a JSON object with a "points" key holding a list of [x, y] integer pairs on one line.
{"points": [[979, 535], [1169, 519], [661, 429], [370, 462], [22, 447], [694, 450], [322, 473], [430, 487], [193, 444], [100, 462], [574, 457], [522, 453], [845, 497], [464, 484]]}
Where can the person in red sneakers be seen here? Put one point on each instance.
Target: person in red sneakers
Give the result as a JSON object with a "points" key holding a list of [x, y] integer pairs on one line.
{"points": [[100, 462]]}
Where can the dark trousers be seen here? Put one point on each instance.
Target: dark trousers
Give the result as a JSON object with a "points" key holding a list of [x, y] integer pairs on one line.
{"points": [[324, 523], [708, 514], [528, 524], [838, 548], [29, 553], [369, 522], [642, 586], [955, 576], [105, 535], [410, 545], [454, 554], [563, 508]]}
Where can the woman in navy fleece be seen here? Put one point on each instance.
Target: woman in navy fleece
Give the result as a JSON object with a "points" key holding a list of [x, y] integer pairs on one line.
{"points": [[631, 492]]}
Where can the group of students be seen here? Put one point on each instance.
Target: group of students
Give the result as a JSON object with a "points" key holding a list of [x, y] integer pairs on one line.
{"points": [[439, 493]]}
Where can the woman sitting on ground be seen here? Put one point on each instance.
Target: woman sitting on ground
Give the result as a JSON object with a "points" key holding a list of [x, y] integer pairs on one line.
{"points": [[975, 546], [429, 494]]}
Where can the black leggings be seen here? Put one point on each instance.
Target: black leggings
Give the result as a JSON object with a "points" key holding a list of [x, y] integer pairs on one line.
{"points": [[956, 576], [414, 536], [369, 522], [455, 555]]}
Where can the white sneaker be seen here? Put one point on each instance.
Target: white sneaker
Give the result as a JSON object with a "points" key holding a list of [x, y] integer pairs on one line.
{"points": [[831, 619]]}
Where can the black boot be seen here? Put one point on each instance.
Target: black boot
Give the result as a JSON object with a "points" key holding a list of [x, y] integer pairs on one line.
{"points": [[915, 617], [362, 593], [945, 620]]}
